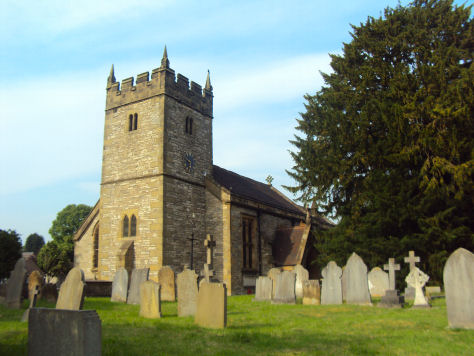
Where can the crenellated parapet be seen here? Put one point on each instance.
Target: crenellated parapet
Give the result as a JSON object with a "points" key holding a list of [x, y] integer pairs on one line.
{"points": [[163, 81]]}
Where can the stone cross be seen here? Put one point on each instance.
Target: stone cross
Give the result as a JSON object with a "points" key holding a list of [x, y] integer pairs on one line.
{"points": [[412, 259], [391, 268], [417, 279], [210, 244], [207, 273]]}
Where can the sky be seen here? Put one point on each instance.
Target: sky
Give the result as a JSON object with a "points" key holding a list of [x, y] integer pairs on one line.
{"points": [[55, 57]]}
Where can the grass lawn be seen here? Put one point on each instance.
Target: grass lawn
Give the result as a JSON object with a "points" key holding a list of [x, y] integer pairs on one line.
{"points": [[260, 328]]}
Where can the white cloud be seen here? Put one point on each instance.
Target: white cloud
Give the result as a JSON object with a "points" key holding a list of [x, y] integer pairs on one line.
{"points": [[51, 130]]}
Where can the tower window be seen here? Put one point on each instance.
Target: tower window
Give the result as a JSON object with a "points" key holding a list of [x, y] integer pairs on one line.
{"points": [[189, 126], [95, 256], [133, 226], [132, 122], [129, 226], [125, 226]]}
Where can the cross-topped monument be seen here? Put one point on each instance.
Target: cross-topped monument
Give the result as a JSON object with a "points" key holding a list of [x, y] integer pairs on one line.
{"points": [[412, 259], [207, 273], [210, 244], [391, 268]]}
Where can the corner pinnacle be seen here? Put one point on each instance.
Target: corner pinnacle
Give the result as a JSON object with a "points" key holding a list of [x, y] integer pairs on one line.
{"points": [[111, 79], [208, 82], [165, 63]]}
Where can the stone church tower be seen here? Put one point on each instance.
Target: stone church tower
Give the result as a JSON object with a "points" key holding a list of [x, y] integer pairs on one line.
{"points": [[161, 194]]}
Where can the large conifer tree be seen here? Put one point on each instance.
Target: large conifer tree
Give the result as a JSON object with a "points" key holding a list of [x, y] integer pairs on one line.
{"points": [[386, 146]]}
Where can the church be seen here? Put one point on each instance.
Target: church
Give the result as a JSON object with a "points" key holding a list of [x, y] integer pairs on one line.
{"points": [[164, 203]]}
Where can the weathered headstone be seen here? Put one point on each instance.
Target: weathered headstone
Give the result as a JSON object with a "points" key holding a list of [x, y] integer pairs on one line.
{"points": [[187, 292], [458, 278], [391, 299], [331, 289], [120, 286], [33, 298], [49, 292], [411, 259], [378, 282], [357, 283], [272, 274], [417, 279], [263, 289], [64, 332], [166, 280], [211, 309], [150, 303], [35, 279], [71, 293], [302, 275], [311, 292], [285, 288], [138, 277], [15, 285]]}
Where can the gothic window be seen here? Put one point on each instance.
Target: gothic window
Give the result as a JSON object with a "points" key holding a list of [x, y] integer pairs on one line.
{"points": [[125, 226], [95, 256], [247, 242], [132, 122], [133, 226], [189, 126]]}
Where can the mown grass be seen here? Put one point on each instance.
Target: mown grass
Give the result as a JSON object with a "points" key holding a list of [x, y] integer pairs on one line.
{"points": [[260, 328]]}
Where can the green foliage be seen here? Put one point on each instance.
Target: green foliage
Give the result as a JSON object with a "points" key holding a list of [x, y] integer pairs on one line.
{"points": [[56, 257], [10, 251], [33, 243], [386, 144]]}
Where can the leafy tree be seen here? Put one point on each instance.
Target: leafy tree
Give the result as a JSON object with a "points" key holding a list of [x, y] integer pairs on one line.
{"points": [[10, 252], [33, 243], [56, 257], [387, 144]]}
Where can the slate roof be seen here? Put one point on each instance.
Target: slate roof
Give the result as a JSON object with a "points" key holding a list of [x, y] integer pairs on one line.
{"points": [[250, 189]]}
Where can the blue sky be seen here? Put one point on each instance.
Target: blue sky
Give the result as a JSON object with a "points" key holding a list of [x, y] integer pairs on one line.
{"points": [[263, 57]]}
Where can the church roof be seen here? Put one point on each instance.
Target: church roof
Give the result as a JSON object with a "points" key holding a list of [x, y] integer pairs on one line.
{"points": [[251, 189]]}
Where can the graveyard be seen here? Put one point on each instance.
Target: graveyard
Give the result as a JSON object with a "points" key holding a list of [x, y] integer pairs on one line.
{"points": [[263, 328]]}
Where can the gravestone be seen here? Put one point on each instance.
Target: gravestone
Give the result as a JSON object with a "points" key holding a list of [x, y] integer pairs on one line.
{"points": [[378, 282], [311, 292], [272, 274], [458, 278], [417, 279], [120, 286], [33, 298], [211, 311], [15, 285], [357, 282], [206, 273], [263, 289], [150, 303], [187, 292], [411, 259], [71, 293], [429, 291], [285, 288], [166, 280], [49, 292], [331, 289], [35, 279], [302, 275], [138, 277], [64, 332], [391, 299]]}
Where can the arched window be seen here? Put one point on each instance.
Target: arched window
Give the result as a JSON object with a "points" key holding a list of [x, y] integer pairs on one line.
{"points": [[125, 226], [135, 121], [133, 226], [189, 126], [130, 122], [95, 255]]}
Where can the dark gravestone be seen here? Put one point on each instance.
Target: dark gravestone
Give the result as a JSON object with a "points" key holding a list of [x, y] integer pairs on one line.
{"points": [[64, 332], [458, 278], [15, 285], [138, 277]]}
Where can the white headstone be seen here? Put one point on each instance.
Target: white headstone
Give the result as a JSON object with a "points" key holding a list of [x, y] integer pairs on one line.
{"points": [[417, 279], [357, 283], [331, 290], [378, 282], [302, 275]]}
